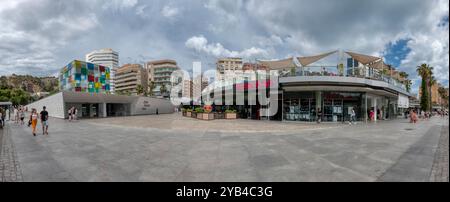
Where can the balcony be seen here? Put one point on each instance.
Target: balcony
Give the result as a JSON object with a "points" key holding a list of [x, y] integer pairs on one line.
{"points": [[334, 74]]}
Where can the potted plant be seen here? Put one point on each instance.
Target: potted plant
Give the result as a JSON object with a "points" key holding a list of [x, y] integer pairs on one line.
{"points": [[183, 111], [208, 115], [230, 114], [188, 112], [198, 112]]}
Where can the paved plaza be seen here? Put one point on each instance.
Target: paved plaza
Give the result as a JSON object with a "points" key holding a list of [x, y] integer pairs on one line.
{"points": [[176, 148]]}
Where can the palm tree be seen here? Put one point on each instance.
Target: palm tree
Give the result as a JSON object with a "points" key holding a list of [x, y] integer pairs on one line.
{"points": [[151, 87], [404, 75], [425, 71], [139, 89], [163, 89], [408, 84]]}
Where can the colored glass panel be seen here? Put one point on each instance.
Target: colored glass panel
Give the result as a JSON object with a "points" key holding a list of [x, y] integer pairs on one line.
{"points": [[77, 76], [84, 70], [90, 66]]}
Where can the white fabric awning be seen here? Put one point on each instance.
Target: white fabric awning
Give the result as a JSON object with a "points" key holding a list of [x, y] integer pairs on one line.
{"points": [[279, 64], [305, 61], [363, 59]]}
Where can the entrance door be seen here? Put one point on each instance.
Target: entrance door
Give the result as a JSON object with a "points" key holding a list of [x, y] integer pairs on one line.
{"points": [[85, 110], [95, 110]]}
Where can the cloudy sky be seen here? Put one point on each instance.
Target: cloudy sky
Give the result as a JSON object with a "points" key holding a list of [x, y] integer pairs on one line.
{"points": [[40, 36]]}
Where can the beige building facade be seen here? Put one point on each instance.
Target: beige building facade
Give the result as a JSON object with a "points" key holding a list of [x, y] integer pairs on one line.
{"points": [[228, 64], [129, 76], [159, 72]]}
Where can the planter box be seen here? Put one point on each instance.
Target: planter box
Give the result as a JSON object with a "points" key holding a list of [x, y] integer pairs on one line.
{"points": [[194, 114], [184, 113], [219, 115], [230, 115], [205, 116], [208, 116], [188, 114]]}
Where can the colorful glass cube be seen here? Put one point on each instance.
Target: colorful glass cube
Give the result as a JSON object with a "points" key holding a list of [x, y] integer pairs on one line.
{"points": [[81, 76]]}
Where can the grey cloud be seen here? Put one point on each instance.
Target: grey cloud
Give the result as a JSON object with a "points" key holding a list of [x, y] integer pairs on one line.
{"points": [[39, 36]]}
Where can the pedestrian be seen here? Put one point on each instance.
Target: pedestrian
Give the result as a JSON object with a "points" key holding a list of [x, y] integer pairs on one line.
{"points": [[44, 121], [33, 119], [379, 114], [74, 113], [352, 116], [414, 117], [319, 115], [70, 114], [3, 116], [22, 116], [16, 115], [8, 115], [1, 120], [372, 115]]}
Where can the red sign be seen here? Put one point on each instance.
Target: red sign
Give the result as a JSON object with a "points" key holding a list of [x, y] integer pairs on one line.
{"points": [[263, 84]]}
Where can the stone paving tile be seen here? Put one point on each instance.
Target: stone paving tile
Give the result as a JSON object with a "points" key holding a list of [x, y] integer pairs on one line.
{"points": [[440, 171], [9, 165], [118, 149]]}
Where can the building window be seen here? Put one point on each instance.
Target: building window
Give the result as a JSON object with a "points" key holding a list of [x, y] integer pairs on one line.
{"points": [[349, 62]]}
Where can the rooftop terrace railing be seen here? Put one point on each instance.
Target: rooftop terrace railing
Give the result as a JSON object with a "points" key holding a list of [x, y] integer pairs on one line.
{"points": [[357, 72]]}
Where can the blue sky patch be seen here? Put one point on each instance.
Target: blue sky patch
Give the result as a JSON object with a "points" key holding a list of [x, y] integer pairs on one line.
{"points": [[396, 52]]}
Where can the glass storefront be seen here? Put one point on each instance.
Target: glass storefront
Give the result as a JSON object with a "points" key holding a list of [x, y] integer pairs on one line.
{"points": [[299, 106], [335, 106]]}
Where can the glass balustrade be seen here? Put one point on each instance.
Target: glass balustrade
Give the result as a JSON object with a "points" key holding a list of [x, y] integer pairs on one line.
{"points": [[360, 72]]}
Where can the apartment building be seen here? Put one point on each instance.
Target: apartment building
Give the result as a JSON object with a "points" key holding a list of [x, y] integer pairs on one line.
{"points": [[106, 57], [231, 64], [129, 76], [160, 72]]}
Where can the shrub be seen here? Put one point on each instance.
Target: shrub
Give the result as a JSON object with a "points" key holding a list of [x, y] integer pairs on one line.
{"points": [[199, 110]]}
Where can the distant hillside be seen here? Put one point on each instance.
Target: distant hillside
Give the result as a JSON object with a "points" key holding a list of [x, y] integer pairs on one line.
{"points": [[29, 83]]}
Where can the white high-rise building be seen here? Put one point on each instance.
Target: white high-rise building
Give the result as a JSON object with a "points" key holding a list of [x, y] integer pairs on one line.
{"points": [[106, 57]]}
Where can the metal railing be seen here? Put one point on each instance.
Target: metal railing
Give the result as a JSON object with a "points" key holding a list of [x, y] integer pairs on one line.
{"points": [[341, 72]]}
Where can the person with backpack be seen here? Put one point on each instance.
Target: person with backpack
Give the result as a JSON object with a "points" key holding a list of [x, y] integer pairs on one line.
{"points": [[44, 121]]}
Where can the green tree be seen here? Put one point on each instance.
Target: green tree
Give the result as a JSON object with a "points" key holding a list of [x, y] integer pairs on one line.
{"points": [[424, 104], [150, 89], [408, 84], [425, 71], [163, 89], [139, 89], [404, 75]]}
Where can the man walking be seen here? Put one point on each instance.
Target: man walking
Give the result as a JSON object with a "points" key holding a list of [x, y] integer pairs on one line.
{"points": [[44, 121], [352, 116]]}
